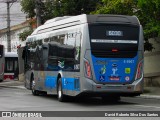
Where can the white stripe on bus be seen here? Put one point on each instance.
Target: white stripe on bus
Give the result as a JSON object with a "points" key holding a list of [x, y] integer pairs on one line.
{"points": [[113, 41]]}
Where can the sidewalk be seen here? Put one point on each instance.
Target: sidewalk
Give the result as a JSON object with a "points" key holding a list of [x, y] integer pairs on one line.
{"points": [[149, 92], [12, 83]]}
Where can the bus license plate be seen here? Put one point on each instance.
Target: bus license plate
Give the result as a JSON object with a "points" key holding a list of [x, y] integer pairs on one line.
{"points": [[114, 78]]}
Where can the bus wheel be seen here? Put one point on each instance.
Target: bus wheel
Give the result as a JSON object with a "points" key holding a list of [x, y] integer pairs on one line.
{"points": [[34, 92], [61, 96]]}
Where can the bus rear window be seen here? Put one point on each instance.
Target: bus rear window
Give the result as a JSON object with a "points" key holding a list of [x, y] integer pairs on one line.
{"points": [[113, 40]]}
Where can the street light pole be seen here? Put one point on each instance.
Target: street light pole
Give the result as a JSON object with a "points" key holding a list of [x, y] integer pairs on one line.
{"points": [[8, 28], [8, 24], [38, 12]]}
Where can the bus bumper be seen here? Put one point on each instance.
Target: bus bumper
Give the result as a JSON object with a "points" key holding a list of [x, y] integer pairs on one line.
{"points": [[92, 88]]}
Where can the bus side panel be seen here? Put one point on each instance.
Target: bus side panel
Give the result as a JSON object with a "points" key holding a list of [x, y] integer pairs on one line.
{"points": [[72, 51], [27, 81], [85, 84], [70, 83], [50, 82]]}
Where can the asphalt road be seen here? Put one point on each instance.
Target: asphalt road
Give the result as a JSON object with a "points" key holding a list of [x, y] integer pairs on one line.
{"points": [[12, 99]]}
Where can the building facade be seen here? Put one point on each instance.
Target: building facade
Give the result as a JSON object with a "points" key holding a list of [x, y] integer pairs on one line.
{"points": [[152, 64], [14, 32]]}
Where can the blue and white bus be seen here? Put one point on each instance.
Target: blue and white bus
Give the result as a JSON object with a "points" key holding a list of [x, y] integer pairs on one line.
{"points": [[92, 55]]}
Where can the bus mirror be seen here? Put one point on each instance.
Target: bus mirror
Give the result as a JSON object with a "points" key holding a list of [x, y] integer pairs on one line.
{"points": [[23, 54]]}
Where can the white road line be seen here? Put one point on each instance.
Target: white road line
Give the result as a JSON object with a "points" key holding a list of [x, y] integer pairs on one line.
{"points": [[147, 106]]}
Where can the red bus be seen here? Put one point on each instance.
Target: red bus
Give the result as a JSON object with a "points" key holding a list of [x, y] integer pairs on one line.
{"points": [[11, 65], [2, 61]]}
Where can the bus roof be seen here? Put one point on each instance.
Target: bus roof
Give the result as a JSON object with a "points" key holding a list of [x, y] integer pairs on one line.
{"points": [[11, 54], [68, 21]]}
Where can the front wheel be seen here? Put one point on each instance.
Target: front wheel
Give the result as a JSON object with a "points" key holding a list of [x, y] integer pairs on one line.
{"points": [[34, 92], [61, 96]]}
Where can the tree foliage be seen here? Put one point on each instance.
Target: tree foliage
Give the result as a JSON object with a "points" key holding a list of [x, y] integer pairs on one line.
{"points": [[148, 11], [149, 15], [25, 34], [123, 7], [54, 8], [28, 7]]}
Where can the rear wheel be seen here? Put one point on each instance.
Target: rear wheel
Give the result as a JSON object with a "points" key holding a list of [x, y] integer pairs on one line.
{"points": [[61, 96], [34, 92]]}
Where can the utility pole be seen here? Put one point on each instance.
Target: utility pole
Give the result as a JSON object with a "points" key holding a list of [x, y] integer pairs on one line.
{"points": [[8, 28], [38, 12], [8, 24]]}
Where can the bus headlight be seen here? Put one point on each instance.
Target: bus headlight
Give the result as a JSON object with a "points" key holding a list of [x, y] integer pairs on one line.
{"points": [[87, 67], [139, 70]]}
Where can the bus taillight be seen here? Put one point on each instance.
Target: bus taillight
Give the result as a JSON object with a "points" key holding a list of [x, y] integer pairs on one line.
{"points": [[139, 70], [88, 69], [114, 50]]}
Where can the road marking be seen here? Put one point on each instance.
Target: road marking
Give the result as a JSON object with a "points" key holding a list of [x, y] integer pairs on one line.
{"points": [[147, 106]]}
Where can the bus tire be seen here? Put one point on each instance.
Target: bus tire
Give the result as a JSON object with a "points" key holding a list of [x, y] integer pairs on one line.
{"points": [[34, 92], [61, 96]]}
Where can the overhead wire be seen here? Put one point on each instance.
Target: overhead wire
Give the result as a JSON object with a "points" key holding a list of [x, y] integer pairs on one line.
{"points": [[16, 17]]}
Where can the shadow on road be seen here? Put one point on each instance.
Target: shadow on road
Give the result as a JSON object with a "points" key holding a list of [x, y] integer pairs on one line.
{"points": [[89, 101]]}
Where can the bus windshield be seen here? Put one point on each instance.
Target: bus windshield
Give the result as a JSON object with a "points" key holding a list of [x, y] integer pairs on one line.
{"points": [[110, 40]]}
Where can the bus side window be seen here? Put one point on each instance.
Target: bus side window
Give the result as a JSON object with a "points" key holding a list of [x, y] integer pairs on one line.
{"points": [[53, 56], [78, 47], [45, 56]]}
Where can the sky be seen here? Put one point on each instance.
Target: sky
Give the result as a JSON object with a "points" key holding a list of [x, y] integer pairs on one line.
{"points": [[16, 15]]}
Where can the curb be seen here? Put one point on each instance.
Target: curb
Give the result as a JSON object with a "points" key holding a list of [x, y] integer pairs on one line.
{"points": [[16, 87], [144, 96], [150, 97]]}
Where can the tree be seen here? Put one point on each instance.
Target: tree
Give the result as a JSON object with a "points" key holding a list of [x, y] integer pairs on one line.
{"points": [[71, 7], [123, 7], [25, 34], [28, 7], [56, 8], [148, 12], [149, 15]]}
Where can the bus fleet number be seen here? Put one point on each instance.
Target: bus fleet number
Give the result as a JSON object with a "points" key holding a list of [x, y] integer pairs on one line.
{"points": [[129, 61]]}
